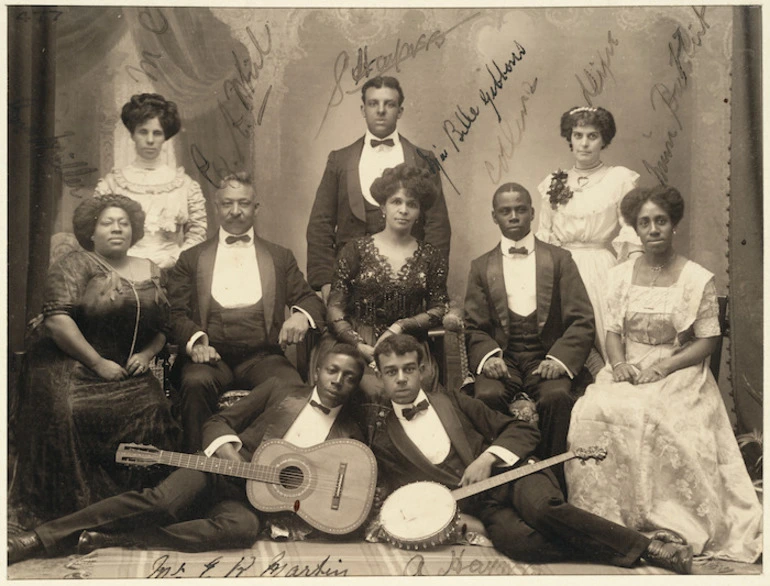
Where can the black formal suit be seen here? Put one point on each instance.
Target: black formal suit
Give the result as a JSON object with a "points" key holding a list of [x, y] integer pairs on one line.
{"points": [[193, 510], [565, 329], [338, 215], [527, 519], [189, 292]]}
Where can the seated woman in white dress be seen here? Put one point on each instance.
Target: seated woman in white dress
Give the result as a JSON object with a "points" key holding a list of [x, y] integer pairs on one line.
{"points": [[673, 462], [581, 209], [172, 201]]}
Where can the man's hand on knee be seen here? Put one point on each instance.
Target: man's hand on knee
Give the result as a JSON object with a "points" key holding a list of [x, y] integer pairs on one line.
{"points": [[204, 354], [495, 368], [294, 329], [550, 369]]}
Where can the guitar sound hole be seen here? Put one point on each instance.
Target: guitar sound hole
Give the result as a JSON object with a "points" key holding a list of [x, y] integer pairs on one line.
{"points": [[291, 477]]}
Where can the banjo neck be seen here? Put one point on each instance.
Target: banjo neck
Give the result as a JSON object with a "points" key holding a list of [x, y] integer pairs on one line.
{"points": [[511, 475]]}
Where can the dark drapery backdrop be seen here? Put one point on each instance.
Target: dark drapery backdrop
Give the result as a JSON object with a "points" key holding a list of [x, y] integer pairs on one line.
{"points": [[33, 184], [746, 262]]}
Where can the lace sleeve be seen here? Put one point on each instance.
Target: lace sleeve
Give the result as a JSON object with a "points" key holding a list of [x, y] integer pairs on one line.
{"points": [[706, 324], [437, 296], [345, 269], [66, 283], [103, 186], [615, 300], [195, 228], [627, 241]]}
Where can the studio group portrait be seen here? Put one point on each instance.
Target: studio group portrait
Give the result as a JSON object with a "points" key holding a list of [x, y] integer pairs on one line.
{"points": [[373, 291]]}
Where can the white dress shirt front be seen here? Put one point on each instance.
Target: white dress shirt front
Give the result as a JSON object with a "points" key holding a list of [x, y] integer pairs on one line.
{"points": [[374, 160], [426, 431], [311, 427]]}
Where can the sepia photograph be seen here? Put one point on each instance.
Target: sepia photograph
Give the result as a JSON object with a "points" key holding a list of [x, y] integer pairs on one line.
{"points": [[372, 291]]}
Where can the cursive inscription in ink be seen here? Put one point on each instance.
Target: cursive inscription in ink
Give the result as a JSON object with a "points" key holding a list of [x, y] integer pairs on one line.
{"points": [[682, 49], [509, 137], [460, 565], [591, 80], [153, 20], [71, 170], [381, 63], [243, 109], [167, 566]]}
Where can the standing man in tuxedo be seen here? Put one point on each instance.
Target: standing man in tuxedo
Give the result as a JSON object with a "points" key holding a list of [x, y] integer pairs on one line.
{"points": [[193, 510], [344, 208], [454, 440], [228, 298], [530, 321]]}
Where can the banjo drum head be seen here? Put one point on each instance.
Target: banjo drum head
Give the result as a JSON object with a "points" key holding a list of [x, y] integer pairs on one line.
{"points": [[419, 514]]}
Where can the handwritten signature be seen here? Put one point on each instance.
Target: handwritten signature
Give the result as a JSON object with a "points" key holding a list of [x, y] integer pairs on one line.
{"points": [[165, 567], [157, 23], [459, 565], [238, 108], [507, 138], [71, 170], [682, 49], [380, 64], [594, 75]]}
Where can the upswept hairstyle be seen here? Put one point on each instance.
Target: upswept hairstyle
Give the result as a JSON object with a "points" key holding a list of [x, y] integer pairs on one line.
{"points": [[418, 183], [383, 81], [663, 196], [87, 214], [587, 115], [399, 344], [144, 107]]}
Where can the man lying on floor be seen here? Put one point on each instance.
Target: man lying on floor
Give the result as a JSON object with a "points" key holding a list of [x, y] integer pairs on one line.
{"points": [[195, 511], [452, 439]]}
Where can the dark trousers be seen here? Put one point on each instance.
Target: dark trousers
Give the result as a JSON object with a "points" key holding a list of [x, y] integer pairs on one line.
{"points": [[189, 511], [202, 384], [554, 401], [529, 521]]}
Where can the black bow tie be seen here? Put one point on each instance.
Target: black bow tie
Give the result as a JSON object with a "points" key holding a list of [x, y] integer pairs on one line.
{"points": [[242, 238], [387, 142], [518, 250], [410, 412], [318, 405]]}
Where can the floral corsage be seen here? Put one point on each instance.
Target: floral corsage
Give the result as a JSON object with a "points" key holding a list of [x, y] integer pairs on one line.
{"points": [[559, 192]]}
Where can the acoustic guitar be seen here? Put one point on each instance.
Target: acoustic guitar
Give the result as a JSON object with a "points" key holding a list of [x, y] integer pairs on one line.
{"points": [[329, 485], [423, 514]]}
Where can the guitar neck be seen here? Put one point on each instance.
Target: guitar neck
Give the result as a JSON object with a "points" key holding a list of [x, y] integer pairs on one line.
{"points": [[511, 475], [247, 470]]}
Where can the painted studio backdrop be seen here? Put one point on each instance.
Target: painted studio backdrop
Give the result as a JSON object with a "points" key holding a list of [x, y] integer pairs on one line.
{"points": [[273, 91]]}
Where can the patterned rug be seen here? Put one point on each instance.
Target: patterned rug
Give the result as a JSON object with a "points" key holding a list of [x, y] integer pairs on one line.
{"points": [[322, 559]]}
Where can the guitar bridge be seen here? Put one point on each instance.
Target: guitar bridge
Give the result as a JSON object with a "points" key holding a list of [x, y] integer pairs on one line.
{"points": [[338, 487]]}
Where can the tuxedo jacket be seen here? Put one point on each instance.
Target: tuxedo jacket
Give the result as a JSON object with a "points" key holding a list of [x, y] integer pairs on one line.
{"points": [[189, 289], [471, 426], [338, 213], [565, 316], [267, 412]]}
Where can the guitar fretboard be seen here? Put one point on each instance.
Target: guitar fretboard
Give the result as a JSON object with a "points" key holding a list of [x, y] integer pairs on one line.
{"points": [[267, 474], [493, 481]]}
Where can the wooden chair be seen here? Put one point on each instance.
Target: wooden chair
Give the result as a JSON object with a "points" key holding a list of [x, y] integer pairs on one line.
{"points": [[724, 324]]}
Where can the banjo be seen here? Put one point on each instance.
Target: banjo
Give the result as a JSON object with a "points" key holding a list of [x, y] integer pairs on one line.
{"points": [[423, 514]]}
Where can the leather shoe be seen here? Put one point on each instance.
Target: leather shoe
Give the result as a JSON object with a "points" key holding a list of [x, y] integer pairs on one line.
{"points": [[23, 546], [668, 536], [93, 540], [671, 556]]}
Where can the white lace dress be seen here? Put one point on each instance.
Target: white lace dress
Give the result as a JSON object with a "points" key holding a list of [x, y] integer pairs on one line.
{"points": [[672, 459], [174, 206], [589, 225]]}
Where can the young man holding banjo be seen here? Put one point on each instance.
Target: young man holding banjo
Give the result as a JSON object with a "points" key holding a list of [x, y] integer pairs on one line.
{"points": [[429, 442], [193, 510]]}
